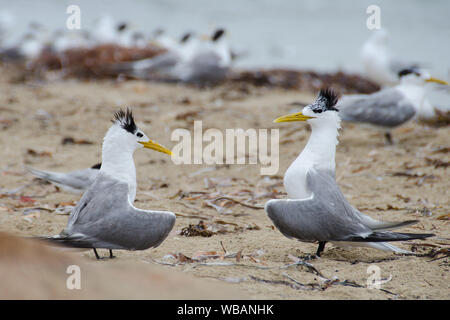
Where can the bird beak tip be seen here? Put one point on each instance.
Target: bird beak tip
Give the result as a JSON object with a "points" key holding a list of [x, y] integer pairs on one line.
{"points": [[156, 146], [431, 79]]}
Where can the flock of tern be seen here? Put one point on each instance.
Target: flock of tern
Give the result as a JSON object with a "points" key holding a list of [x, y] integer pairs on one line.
{"points": [[315, 211]]}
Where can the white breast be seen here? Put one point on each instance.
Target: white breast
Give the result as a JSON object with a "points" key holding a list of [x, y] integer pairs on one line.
{"points": [[295, 180]]}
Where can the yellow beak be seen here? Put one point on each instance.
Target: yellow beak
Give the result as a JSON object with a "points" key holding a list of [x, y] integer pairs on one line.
{"points": [[293, 117], [431, 79], [155, 146]]}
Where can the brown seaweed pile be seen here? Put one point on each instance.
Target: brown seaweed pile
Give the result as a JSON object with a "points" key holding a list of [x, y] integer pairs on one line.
{"points": [[90, 63], [97, 63], [310, 81]]}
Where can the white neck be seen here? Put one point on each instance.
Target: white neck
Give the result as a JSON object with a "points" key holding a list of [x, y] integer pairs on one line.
{"points": [[321, 146], [223, 51], [319, 153], [188, 50], [414, 92], [118, 162]]}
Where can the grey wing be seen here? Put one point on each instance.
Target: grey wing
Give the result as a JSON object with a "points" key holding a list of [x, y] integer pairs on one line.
{"points": [[161, 62], [76, 181], [326, 216], [386, 108], [105, 218], [206, 67], [143, 68]]}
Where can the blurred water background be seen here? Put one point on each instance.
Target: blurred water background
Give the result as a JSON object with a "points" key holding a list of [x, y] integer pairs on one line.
{"points": [[311, 34]]}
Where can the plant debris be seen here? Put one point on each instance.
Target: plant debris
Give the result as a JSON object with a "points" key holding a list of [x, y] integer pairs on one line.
{"points": [[70, 140], [93, 62], [199, 229], [35, 153], [305, 80], [437, 163], [203, 229]]}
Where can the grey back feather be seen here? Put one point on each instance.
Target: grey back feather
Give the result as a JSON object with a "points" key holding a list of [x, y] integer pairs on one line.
{"points": [[327, 216], [206, 67], [386, 108], [105, 217]]}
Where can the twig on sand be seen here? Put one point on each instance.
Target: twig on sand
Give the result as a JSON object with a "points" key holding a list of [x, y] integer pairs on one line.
{"points": [[228, 264], [304, 287], [300, 262], [224, 250], [282, 282], [238, 202]]}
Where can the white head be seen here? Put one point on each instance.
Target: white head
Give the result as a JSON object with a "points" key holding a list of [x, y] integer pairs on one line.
{"points": [[188, 45], [320, 150], [125, 137], [417, 77], [321, 112], [220, 45], [217, 39]]}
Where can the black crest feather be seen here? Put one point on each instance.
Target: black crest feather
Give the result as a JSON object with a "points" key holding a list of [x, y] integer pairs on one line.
{"points": [[217, 34], [121, 26], [326, 100], [410, 70], [185, 37], [97, 166], [125, 120]]}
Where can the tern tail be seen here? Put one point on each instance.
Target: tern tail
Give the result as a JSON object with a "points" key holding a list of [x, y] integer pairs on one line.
{"points": [[72, 242], [385, 225], [388, 236], [78, 241]]}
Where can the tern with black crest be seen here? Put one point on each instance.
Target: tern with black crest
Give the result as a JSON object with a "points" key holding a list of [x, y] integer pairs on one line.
{"points": [[390, 107], [105, 216], [191, 61], [316, 210]]}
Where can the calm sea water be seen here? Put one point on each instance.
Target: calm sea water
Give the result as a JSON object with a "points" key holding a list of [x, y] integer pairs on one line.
{"points": [[317, 34]]}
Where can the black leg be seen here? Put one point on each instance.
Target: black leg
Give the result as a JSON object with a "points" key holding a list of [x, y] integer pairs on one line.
{"points": [[96, 254], [321, 248], [388, 137], [111, 256]]}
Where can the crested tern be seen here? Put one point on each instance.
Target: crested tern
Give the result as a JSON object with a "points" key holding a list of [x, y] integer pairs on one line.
{"points": [[105, 216], [390, 107], [191, 61], [29, 46], [316, 209]]}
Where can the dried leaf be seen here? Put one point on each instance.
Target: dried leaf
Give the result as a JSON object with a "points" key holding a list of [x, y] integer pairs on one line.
{"points": [[239, 256], [437, 163], [70, 140], [35, 153], [27, 199], [444, 217]]}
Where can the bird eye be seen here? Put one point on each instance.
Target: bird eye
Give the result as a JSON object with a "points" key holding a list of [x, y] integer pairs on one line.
{"points": [[140, 135], [318, 111]]}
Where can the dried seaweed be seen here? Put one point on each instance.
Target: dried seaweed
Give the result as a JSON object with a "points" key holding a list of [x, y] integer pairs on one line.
{"points": [[90, 62], [437, 163], [199, 229], [203, 229], [305, 80], [70, 140]]}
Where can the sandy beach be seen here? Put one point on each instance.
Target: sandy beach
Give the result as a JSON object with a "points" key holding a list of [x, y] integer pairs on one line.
{"points": [[222, 234]]}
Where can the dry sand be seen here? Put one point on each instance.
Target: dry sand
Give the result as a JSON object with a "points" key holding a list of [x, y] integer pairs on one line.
{"points": [[373, 177]]}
